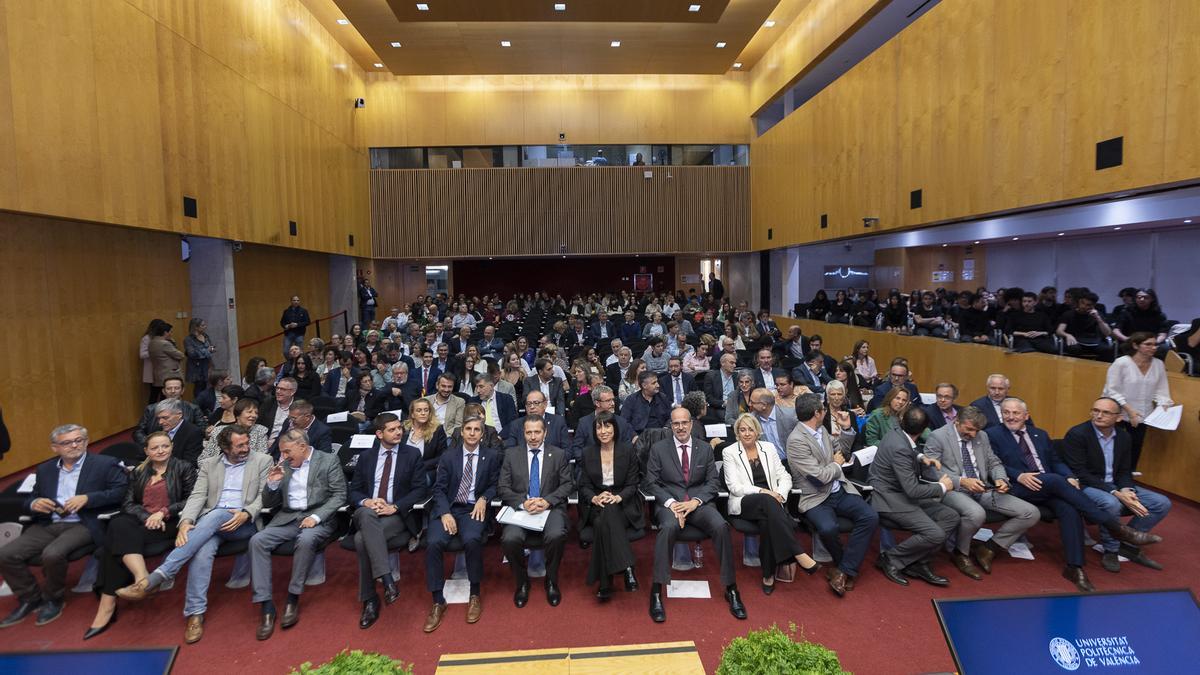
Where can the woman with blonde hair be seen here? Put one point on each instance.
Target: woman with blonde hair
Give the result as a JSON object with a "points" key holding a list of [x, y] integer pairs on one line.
{"points": [[423, 431]]}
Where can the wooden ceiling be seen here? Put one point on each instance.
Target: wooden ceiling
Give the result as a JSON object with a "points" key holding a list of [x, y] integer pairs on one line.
{"points": [[463, 37]]}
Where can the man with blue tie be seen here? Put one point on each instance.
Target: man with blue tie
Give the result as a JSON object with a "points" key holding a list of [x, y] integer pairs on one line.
{"points": [[536, 477], [676, 383], [1042, 478], [466, 483]]}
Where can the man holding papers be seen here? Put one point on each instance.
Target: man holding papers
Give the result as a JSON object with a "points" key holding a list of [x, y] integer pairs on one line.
{"points": [[536, 478]]}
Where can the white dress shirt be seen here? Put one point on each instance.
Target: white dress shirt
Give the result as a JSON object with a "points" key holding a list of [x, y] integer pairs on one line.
{"points": [[231, 489], [68, 484]]}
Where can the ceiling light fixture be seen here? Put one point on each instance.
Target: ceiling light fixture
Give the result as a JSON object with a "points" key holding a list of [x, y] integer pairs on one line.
{"points": [[693, 8], [378, 65], [1117, 227], [976, 242], [396, 44], [945, 245], [738, 64], [770, 23], [343, 22], [422, 7], [615, 43], [720, 45], [1016, 238], [1188, 220], [560, 6], [1061, 233], [505, 43]]}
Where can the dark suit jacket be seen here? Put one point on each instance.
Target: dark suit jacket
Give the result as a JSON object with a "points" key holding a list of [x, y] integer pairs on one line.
{"points": [[408, 478], [1081, 451], [989, 411], [416, 378], [556, 481], [571, 340], [584, 436], [936, 421], [1006, 448], [449, 476], [556, 432], [387, 399], [506, 408], [557, 397], [373, 401], [714, 391], [457, 347], [802, 374], [432, 451], [101, 478], [491, 349], [642, 414], [612, 375], [148, 424], [664, 473], [666, 384], [594, 332], [626, 483], [885, 387], [188, 442], [319, 436], [630, 332], [333, 379], [895, 475]]}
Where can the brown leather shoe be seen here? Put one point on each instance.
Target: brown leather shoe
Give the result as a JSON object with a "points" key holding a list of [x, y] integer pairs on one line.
{"points": [[291, 615], [984, 555], [266, 627], [1135, 537], [138, 591], [964, 565], [850, 582], [474, 609], [1077, 576], [194, 630], [837, 582], [435, 617]]}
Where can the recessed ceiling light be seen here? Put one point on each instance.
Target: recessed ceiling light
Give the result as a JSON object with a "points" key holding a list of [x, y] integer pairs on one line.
{"points": [[1061, 233], [945, 245], [396, 44], [560, 6], [1016, 238], [1117, 227], [615, 43], [505, 43], [693, 8], [339, 66], [770, 23], [343, 22], [738, 64], [976, 242], [1188, 220], [378, 65], [421, 6], [720, 45]]}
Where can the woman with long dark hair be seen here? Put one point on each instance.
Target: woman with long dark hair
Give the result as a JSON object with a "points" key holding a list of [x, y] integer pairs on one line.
{"points": [[610, 503]]}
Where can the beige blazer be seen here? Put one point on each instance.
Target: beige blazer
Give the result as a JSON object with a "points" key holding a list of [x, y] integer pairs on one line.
{"points": [[211, 477]]}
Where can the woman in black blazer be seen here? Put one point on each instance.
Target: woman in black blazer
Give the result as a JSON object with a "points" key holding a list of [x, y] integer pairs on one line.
{"points": [[158, 489], [609, 501]]}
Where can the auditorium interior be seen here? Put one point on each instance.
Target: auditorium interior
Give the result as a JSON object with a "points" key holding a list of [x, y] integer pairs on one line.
{"points": [[396, 172]]}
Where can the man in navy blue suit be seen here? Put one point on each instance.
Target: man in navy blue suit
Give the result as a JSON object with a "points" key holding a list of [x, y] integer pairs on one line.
{"points": [[585, 434], [989, 405], [69, 494], [897, 377], [427, 373], [603, 330], [1042, 478], [675, 384], [943, 410], [535, 406], [466, 482], [300, 416]]}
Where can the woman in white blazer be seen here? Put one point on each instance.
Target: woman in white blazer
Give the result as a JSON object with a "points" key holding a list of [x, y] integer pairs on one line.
{"points": [[758, 485]]}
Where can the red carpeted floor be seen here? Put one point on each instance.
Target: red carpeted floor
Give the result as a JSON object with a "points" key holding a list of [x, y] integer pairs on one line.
{"points": [[878, 628]]}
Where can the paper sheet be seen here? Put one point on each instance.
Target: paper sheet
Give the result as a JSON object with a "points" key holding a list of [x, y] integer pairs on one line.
{"points": [[27, 484], [714, 430], [399, 413], [1099, 548], [549, 410], [337, 417], [1020, 550], [362, 440], [535, 522], [928, 399], [866, 455], [1165, 418], [457, 591], [688, 589]]}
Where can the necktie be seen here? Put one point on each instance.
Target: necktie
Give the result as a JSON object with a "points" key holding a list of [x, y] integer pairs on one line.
{"points": [[687, 469], [385, 481], [1027, 451], [488, 418], [968, 465], [464, 487], [535, 475], [678, 390], [424, 381]]}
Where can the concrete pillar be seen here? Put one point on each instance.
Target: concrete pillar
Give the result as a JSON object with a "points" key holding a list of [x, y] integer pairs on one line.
{"points": [[742, 280], [343, 289], [210, 268], [789, 275]]}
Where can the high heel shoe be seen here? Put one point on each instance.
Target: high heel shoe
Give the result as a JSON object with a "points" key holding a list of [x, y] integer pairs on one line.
{"points": [[768, 589], [93, 632], [810, 570]]}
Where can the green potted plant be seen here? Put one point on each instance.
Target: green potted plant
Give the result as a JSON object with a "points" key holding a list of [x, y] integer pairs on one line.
{"points": [[356, 662], [773, 652]]}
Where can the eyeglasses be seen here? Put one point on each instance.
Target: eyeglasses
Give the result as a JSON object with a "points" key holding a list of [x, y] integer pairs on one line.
{"points": [[71, 442]]}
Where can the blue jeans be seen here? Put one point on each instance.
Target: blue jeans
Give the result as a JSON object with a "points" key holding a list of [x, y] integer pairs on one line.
{"points": [[824, 517], [201, 548], [1156, 504], [289, 340]]}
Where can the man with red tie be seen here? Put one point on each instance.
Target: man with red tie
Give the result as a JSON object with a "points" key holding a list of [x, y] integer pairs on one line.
{"points": [[427, 373]]}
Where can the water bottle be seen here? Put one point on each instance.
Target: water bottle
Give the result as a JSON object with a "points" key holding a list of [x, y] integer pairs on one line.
{"points": [[698, 556]]}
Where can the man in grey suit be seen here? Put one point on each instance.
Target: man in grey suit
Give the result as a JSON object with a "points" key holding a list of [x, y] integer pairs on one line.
{"points": [[825, 494], [306, 488], [223, 506], [906, 503], [536, 477], [980, 484], [777, 422], [682, 476]]}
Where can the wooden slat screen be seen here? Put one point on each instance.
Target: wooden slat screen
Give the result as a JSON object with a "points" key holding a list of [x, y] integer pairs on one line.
{"points": [[419, 213]]}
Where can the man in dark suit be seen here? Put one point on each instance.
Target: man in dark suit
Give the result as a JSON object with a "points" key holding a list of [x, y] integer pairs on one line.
{"points": [[535, 406], [764, 369], [630, 330], [715, 286], [719, 385], [811, 373], [682, 476], [69, 494], [649, 407], [1099, 452], [543, 380], [499, 409], [897, 377], [187, 438], [426, 374], [305, 489], [829, 364], [615, 372], [675, 383], [1042, 478], [904, 501], [605, 401], [300, 416], [467, 477], [388, 481], [794, 347], [172, 389], [536, 477], [943, 411], [460, 343], [602, 330], [989, 405], [396, 395], [577, 337], [491, 346]]}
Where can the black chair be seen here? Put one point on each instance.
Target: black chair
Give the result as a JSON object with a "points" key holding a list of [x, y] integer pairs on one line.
{"points": [[128, 453]]}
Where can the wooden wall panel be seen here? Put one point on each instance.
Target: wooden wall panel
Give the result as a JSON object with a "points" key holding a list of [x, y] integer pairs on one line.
{"points": [[266, 278], [506, 212], [112, 110], [1059, 390], [994, 106], [74, 301]]}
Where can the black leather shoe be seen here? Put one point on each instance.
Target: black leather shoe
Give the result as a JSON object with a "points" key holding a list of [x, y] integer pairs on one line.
{"points": [[885, 565], [1136, 555], [391, 592], [1077, 576], [631, 583], [1109, 562], [370, 613], [768, 588], [49, 611], [553, 596], [414, 543], [18, 615], [94, 631], [266, 627], [925, 573], [291, 615], [657, 611], [604, 594], [522, 595], [736, 608]]}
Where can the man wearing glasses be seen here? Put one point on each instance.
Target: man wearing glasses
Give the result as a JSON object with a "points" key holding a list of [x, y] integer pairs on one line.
{"points": [[69, 494]]}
